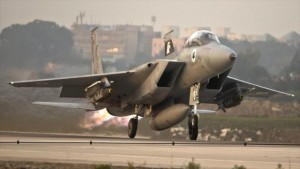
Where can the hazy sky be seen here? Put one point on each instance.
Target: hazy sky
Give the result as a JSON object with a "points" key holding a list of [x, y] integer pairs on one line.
{"points": [[276, 17]]}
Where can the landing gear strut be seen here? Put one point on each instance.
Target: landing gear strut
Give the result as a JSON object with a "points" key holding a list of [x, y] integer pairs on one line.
{"points": [[193, 116]]}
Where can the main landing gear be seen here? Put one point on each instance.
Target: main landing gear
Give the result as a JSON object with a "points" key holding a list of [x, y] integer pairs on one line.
{"points": [[132, 127], [133, 123], [193, 117]]}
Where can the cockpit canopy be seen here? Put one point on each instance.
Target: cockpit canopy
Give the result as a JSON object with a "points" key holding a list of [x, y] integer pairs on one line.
{"points": [[201, 38]]}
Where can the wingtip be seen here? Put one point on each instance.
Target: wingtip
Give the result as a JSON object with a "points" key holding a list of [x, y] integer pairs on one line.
{"points": [[290, 94], [11, 83]]}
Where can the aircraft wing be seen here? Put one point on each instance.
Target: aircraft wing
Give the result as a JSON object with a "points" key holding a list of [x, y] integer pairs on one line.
{"points": [[122, 83], [254, 90], [84, 80], [74, 86]]}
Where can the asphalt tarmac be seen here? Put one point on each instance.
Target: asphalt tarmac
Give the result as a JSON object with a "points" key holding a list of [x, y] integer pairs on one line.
{"points": [[144, 152]]}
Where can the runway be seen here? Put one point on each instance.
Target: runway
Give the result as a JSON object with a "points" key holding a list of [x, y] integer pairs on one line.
{"points": [[143, 152]]}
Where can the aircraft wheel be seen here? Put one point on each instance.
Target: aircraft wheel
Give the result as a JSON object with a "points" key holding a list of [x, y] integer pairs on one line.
{"points": [[193, 126], [132, 127]]}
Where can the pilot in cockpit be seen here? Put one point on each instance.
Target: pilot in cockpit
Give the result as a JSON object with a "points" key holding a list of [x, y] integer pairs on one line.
{"points": [[201, 38]]}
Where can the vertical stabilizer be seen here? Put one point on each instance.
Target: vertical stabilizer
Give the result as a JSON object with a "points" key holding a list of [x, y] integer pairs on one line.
{"points": [[96, 59], [169, 47]]}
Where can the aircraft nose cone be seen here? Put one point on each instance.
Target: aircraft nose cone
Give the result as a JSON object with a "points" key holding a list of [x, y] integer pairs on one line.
{"points": [[222, 58], [232, 56]]}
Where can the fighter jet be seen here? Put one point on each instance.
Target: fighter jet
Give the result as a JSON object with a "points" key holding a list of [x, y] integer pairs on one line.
{"points": [[165, 90]]}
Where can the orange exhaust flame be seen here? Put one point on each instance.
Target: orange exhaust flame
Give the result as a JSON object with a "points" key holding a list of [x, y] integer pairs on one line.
{"points": [[103, 118]]}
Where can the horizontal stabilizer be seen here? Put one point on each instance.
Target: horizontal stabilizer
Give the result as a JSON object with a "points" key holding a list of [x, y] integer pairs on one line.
{"points": [[84, 106], [203, 111]]}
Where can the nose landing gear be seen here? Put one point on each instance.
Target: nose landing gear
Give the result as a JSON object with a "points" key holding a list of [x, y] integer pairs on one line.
{"points": [[193, 117], [193, 126]]}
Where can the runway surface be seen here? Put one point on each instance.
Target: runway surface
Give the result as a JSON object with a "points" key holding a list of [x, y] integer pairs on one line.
{"points": [[143, 152]]}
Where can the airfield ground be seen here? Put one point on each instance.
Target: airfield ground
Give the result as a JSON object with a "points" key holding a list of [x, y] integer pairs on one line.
{"points": [[141, 152]]}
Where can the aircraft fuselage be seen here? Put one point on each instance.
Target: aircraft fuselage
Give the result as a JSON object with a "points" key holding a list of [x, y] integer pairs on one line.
{"points": [[200, 64]]}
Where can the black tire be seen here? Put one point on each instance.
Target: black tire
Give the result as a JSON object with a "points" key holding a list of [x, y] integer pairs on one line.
{"points": [[132, 127], [193, 126]]}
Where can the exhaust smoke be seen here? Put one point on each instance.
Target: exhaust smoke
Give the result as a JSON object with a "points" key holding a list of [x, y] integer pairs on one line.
{"points": [[104, 119]]}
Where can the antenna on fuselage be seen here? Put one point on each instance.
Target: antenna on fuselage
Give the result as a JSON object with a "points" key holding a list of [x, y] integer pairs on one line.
{"points": [[169, 47]]}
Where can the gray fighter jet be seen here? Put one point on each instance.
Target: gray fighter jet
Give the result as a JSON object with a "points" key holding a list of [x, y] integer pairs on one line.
{"points": [[165, 90]]}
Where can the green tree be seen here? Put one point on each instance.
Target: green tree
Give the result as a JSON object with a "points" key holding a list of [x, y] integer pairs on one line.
{"points": [[29, 48], [290, 76], [34, 45], [247, 68]]}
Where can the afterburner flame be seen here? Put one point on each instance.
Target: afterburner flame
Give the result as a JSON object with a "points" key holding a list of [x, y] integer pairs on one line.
{"points": [[103, 118]]}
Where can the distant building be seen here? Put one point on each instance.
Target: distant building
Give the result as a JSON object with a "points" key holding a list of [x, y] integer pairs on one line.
{"points": [[156, 34], [114, 41], [145, 40], [81, 38], [252, 38], [234, 36], [189, 31], [223, 31], [265, 37], [157, 46]]}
